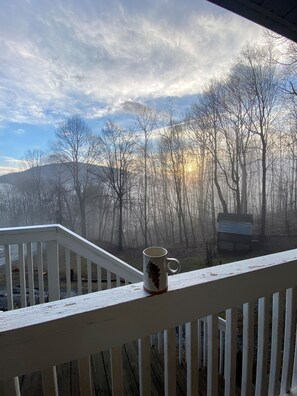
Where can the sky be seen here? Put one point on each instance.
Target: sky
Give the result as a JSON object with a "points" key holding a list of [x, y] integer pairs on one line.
{"points": [[93, 58]]}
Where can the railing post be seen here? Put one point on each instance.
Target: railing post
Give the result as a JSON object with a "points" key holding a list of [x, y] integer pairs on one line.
{"points": [[53, 270]]}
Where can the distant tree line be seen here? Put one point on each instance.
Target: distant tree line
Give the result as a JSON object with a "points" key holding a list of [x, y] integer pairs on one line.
{"points": [[164, 179]]}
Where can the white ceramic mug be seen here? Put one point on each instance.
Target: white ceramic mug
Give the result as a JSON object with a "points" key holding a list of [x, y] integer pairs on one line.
{"points": [[156, 267]]}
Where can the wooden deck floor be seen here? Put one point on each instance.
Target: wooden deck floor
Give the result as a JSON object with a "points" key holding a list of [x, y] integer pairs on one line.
{"points": [[68, 379]]}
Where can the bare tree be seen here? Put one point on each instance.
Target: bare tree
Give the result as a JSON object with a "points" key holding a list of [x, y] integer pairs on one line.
{"points": [[117, 155], [75, 147]]}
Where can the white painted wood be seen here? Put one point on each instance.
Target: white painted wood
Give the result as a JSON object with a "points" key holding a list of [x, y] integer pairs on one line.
{"points": [[8, 276], [52, 251], [212, 355], [230, 351], [294, 376], [262, 347], [221, 351], [118, 280], [144, 366], [10, 387], [97, 255], [22, 274], [247, 349], [290, 327], [50, 382], [180, 344], [192, 358], [170, 362], [40, 272], [30, 273], [159, 341], [85, 376], [68, 272], [89, 272], [25, 332], [99, 278], [205, 336], [16, 235], [78, 274], [199, 344], [276, 343], [108, 279]]}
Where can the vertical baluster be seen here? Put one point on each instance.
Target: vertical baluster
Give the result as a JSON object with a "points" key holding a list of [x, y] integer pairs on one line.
{"points": [[85, 376], [205, 342], [22, 275], [126, 282], [99, 278], [89, 268], [276, 343], [117, 371], [8, 275], [78, 270], [222, 351], [180, 344], [247, 349], [144, 367], [199, 334], [68, 272], [192, 358], [262, 348], [40, 272], [170, 362], [290, 326], [230, 351], [30, 273], [159, 341], [50, 382], [212, 355], [118, 280], [10, 387], [52, 252], [108, 275]]}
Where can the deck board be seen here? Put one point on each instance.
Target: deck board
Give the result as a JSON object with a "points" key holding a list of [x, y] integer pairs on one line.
{"points": [[68, 377]]}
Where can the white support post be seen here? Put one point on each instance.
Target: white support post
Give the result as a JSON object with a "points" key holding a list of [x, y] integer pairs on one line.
{"points": [[22, 275], [68, 272], [144, 367], [212, 355], [262, 347], [192, 358], [170, 362], [108, 276], [117, 382], [230, 351], [40, 272], [276, 343], [89, 270], [99, 278], [247, 349], [30, 273], [53, 270], [290, 327], [8, 274], [78, 272]]}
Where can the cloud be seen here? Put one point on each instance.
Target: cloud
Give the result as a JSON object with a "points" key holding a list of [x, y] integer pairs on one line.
{"points": [[61, 58], [9, 165]]}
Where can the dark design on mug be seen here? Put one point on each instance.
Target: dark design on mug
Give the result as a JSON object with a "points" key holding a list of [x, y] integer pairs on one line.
{"points": [[153, 272]]}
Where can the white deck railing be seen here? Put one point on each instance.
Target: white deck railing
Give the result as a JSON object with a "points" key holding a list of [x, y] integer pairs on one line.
{"points": [[50, 253], [257, 296]]}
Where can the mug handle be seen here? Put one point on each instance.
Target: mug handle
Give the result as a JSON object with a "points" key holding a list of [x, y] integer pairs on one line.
{"points": [[171, 270]]}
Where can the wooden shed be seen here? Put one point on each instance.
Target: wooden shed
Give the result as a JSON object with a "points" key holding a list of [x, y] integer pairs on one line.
{"points": [[234, 231]]}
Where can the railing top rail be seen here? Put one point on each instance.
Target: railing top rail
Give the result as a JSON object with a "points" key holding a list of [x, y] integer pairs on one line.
{"points": [[97, 255], [13, 235], [40, 233], [108, 318]]}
